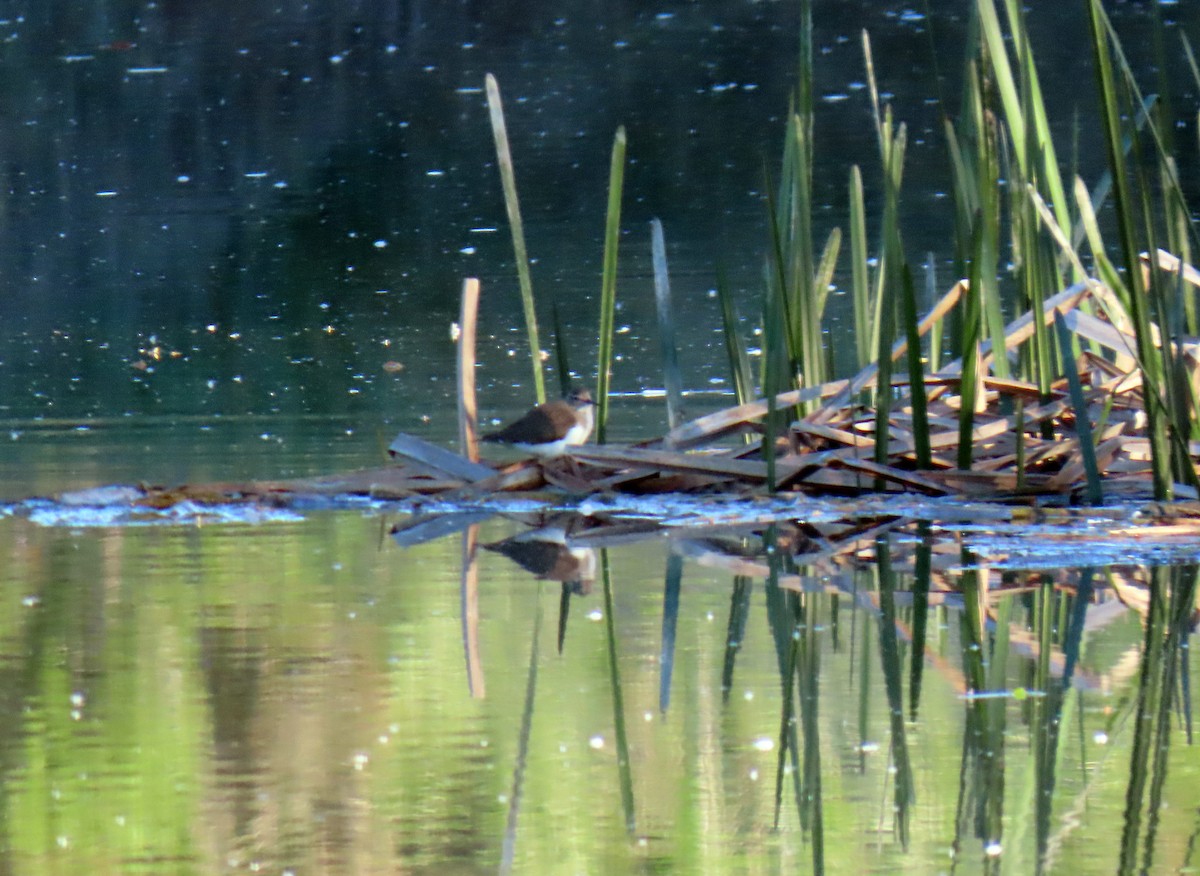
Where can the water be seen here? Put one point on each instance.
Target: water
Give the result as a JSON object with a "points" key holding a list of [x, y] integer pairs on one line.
{"points": [[306, 695], [234, 236]]}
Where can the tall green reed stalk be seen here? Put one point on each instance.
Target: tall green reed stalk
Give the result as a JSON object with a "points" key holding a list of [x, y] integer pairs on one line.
{"points": [[892, 143], [797, 282], [508, 180], [608, 283], [1136, 296]]}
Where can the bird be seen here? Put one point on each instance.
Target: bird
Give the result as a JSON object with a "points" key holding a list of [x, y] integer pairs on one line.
{"points": [[549, 429]]}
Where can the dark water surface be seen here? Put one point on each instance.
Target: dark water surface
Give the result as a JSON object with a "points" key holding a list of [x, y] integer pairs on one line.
{"points": [[233, 236]]}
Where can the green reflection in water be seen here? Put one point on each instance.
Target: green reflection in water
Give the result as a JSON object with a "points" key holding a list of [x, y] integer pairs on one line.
{"points": [[294, 697]]}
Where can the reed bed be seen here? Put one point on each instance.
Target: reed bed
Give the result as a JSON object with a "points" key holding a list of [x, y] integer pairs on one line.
{"points": [[1085, 439], [1068, 378]]}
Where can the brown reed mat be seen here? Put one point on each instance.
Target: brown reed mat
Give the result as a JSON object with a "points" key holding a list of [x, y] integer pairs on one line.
{"points": [[1025, 443]]}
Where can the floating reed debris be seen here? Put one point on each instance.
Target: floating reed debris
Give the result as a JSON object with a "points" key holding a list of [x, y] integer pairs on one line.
{"points": [[1025, 441]]}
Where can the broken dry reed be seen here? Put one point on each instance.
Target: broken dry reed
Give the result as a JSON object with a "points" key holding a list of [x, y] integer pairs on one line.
{"points": [[468, 421]]}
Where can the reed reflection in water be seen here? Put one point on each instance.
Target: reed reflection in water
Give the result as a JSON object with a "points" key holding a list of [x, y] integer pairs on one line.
{"points": [[297, 697]]}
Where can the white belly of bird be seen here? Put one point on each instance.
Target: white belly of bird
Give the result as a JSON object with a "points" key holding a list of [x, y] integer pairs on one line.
{"points": [[575, 436]]}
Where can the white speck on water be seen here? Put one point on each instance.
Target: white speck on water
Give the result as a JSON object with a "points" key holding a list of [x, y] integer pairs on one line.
{"points": [[255, 174], [435, 173], [107, 193], [360, 761], [467, 250], [753, 775], [993, 849], [183, 178], [380, 244], [596, 742], [1100, 737], [595, 614], [764, 743], [748, 695]]}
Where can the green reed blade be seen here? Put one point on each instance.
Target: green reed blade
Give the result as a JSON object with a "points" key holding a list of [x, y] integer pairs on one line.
{"points": [[672, 378], [1022, 110], [1191, 57], [735, 349], [560, 352], [892, 150], [1103, 187], [608, 283], [1127, 221], [1108, 272], [864, 325], [972, 330], [1083, 425], [823, 281], [916, 375], [935, 330], [508, 181]]}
